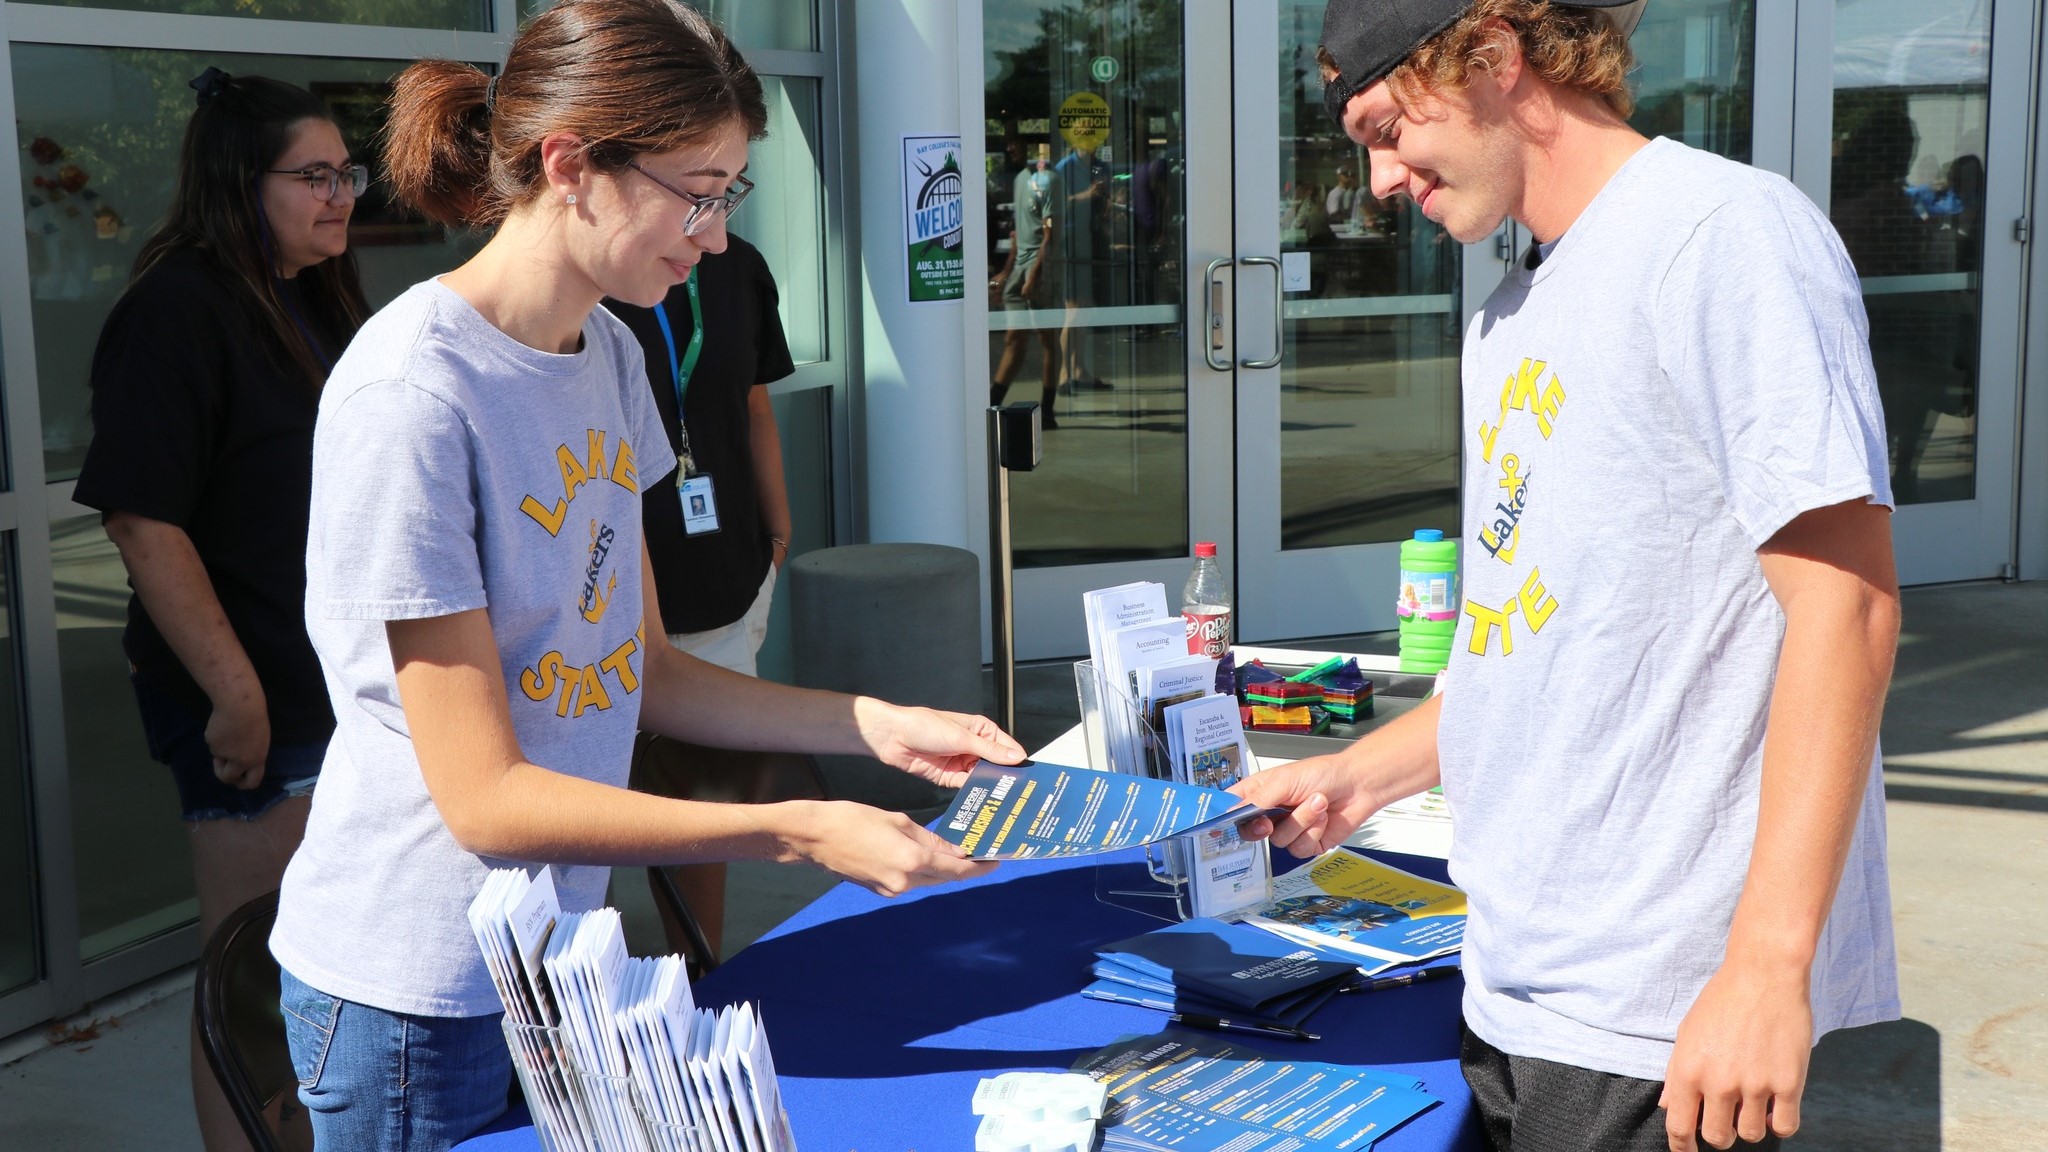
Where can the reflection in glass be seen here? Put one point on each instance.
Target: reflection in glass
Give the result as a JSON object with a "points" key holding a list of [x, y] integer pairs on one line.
{"points": [[1085, 184], [460, 15], [785, 216], [789, 25], [1912, 89], [134, 867], [19, 932], [804, 422], [1695, 73], [100, 129], [1369, 378]]}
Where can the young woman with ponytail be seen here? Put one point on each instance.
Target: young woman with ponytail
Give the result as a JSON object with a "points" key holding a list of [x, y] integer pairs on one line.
{"points": [[205, 382], [476, 584]]}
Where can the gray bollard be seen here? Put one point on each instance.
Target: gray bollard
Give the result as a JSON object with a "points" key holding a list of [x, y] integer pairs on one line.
{"points": [[901, 622]]}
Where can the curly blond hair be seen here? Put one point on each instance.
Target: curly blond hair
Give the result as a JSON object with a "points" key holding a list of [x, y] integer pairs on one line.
{"points": [[1569, 47]]}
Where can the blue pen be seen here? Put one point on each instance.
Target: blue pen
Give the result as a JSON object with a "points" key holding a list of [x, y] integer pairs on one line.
{"points": [[1380, 983]]}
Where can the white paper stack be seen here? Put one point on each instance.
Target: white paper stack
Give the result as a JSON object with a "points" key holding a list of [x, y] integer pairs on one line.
{"points": [[1128, 628], [638, 1067], [512, 919], [1038, 1112]]}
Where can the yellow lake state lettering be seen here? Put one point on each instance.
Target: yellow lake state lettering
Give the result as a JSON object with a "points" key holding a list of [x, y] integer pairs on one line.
{"points": [[592, 694], [625, 469], [1485, 621], [619, 664], [538, 682], [548, 518], [1538, 605]]}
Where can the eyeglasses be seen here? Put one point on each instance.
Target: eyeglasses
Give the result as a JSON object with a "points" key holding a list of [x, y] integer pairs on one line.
{"points": [[324, 179], [702, 207]]}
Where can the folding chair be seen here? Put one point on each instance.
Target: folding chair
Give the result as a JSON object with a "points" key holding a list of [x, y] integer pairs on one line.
{"points": [[241, 1030]]}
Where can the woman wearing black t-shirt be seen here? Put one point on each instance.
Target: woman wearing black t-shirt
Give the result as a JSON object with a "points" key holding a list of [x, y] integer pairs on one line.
{"points": [[205, 383]]}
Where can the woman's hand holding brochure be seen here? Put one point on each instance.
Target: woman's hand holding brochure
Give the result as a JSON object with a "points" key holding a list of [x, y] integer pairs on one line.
{"points": [[937, 746], [887, 853]]}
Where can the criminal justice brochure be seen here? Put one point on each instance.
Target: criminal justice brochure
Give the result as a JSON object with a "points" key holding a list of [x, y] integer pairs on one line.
{"points": [[1173, 682], [1033, 810], [1233, 964], [1200, 1093], [1351, 902], [1230, 876]]}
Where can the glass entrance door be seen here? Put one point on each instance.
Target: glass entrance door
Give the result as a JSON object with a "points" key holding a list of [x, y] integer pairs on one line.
{"points": [[1347, 326], [1108, 192], [1926, 156]]}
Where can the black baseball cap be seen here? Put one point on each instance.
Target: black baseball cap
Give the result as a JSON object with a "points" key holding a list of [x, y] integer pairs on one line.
{"points": [[1369, 38]]}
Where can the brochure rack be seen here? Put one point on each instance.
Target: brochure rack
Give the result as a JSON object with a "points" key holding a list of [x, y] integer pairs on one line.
{"points": [[575, 1110], [1119, 737]]}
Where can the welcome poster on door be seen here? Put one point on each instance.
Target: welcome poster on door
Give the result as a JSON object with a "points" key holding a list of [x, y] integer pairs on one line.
{"points": [[933, 218]]}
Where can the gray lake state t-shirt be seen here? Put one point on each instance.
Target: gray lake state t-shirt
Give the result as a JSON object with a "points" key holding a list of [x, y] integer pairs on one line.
{"points": [[1685, 373], [455, 468]]}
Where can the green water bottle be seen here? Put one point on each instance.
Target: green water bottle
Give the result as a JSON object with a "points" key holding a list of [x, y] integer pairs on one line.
{"points": [[1428, 603]]}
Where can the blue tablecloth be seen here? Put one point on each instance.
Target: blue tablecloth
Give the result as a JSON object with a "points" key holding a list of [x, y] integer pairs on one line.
{"points": [[884, 1014]]}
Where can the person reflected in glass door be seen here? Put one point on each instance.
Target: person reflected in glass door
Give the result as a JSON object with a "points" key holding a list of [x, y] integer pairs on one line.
{"points": [[1888, 237], [1343, 198], [205, 383], [1082, 241], [1028, 282]]}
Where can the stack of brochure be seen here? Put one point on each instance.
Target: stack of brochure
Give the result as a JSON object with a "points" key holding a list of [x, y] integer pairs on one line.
{"points": [[1214, 974], [1186, 1093], [1206, 747], [612, 1052], [1351, 903]]}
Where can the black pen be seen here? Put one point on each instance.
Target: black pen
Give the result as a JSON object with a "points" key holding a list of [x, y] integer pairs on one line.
{"points": [[1219, 1024], [1378, 983]]}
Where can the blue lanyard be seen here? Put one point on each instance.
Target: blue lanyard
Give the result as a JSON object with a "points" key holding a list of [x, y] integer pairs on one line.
{"points": [[679, 371]]}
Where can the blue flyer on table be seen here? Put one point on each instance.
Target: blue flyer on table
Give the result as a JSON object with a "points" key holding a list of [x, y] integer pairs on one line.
{"points": [[1029, 810], [1202, 1094]]}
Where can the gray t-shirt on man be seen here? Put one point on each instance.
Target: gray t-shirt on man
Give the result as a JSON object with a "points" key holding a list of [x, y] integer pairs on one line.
{"points": [[455, 468], [1685, 373]]}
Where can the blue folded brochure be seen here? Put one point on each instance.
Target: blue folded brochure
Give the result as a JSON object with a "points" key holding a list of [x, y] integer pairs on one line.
{"points": [[1238, 966], [1288, 1012]]}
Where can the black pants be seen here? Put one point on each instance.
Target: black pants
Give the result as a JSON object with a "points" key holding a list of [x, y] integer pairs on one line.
{"points": [[1531, 1105]]}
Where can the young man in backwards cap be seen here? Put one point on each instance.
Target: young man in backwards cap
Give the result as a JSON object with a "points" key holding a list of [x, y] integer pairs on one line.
{"points": [[1658, 737]]}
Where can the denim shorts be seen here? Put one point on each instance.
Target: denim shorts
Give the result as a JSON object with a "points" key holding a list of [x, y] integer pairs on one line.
{"points": [[177, 740], [377, 1081]]}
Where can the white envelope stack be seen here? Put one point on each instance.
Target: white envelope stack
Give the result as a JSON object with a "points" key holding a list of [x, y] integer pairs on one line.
{"points": [[612, 1051]]}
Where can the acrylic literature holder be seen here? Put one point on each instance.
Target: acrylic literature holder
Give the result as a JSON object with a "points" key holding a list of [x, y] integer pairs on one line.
{"points": [[1119, 737]]}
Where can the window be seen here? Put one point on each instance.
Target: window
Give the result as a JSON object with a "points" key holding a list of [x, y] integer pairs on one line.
{"points": [[100, 131]]}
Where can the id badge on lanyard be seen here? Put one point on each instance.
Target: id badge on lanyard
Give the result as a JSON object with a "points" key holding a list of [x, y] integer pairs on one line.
{"points": [[694, 489]]}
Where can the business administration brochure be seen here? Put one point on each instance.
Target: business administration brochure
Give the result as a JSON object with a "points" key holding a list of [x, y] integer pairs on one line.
{"points": [[1034, 809]]}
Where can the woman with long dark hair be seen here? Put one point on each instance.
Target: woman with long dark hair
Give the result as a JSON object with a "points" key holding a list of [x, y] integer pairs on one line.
{"points": [[205, 383], [477, 585]]}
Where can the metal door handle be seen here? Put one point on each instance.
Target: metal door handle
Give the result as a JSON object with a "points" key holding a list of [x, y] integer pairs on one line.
{"points": [[1279, 302], [1212, 315]]}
